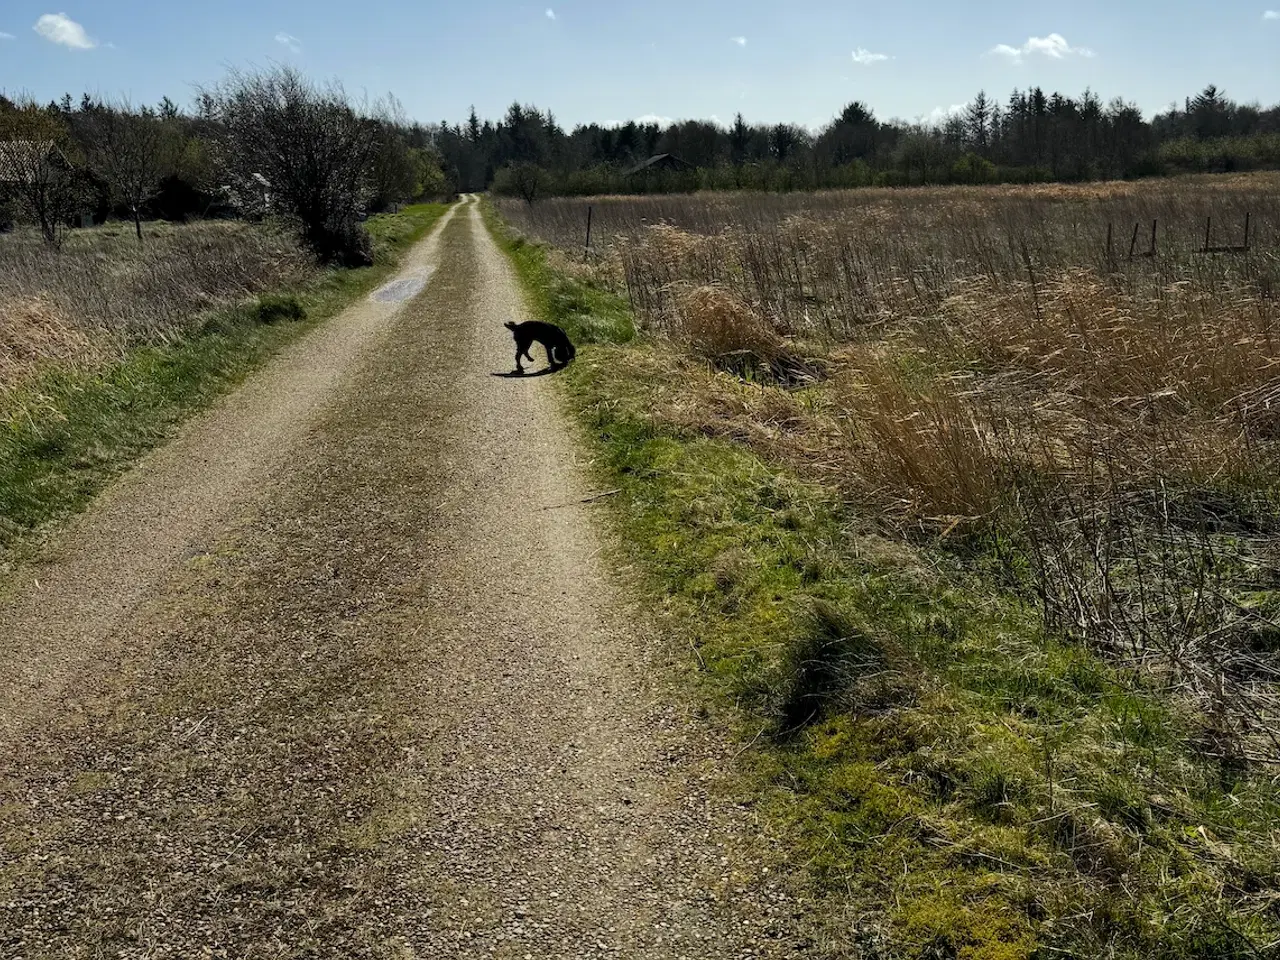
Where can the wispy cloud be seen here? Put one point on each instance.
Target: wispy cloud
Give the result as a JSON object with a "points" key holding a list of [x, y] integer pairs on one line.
{"points": [[60, 29], [7, 36], [943, 114], [654, 118], [1054, 46], [866, 58], [1271, 15], [740, 41], [290, 41], [551, 14]]}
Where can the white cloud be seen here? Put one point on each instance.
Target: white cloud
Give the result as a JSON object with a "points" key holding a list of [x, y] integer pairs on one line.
{"points": [[7, 36], [61, 29], [1054, 46], [740, 41], [654, 118], [943, 114], [1271, 15], [867, 58], [551, 14], [290, 41]]}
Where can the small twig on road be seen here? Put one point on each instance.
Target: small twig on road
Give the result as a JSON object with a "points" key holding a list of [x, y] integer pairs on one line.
{"points": [[194, 729], [754, 741], [591, 499]]}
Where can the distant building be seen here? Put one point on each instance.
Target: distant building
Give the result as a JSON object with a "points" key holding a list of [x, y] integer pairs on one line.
{"points": [[661, 161], [34, 166], [252, 198], [21, 161]]}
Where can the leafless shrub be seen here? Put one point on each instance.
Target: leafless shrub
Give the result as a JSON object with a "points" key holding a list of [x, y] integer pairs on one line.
{"points": [[133, 151], [287, 146], [40, 167]]}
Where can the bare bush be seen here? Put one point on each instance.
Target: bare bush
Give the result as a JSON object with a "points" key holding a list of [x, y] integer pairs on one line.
{"points": [[133, 151], [286, 146], [39, 166]]}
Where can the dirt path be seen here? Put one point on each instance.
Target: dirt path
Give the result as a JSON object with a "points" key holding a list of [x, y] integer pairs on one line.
{"points": [[340, 673]]}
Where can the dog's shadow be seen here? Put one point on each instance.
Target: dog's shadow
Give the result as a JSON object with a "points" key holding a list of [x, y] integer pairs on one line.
{"points": [[517, 375]]}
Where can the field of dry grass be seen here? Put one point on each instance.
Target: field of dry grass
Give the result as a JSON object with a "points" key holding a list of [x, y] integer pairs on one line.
{"points": [[103, 292], [974, 359], [1033, 424]]}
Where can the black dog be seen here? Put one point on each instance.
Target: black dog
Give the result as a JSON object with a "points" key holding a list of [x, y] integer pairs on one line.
{"points": [[556, 342]]}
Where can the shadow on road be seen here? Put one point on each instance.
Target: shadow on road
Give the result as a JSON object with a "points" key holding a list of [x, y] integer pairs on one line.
{"points": [[516, 374]]}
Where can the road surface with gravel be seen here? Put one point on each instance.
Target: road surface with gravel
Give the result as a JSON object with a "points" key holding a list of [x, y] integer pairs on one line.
{"points": [[342, 672]]}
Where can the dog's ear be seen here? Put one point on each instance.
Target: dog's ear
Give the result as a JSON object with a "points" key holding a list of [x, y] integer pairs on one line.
{"points": [[509, 325]]}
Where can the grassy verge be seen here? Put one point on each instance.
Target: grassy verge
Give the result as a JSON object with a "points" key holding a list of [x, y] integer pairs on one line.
{"points": [[958, 782], [588, 313], [65, 436]]}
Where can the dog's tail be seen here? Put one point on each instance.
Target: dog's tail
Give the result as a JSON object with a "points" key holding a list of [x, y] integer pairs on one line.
{"points": [[509, 325]]}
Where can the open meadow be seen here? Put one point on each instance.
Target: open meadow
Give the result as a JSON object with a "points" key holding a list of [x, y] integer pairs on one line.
{"points": [[104, 292], [1034, 700]]}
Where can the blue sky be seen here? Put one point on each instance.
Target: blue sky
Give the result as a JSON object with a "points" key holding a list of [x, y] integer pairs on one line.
{"points": [[798, 60]]}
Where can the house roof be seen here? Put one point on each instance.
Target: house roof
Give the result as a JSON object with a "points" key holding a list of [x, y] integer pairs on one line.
{"points": [[660, 160], [18, 157]]}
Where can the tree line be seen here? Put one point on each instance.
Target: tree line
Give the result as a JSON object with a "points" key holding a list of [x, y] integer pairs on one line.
{"points": [[272, 142], [1033, 136], [256, 144]]}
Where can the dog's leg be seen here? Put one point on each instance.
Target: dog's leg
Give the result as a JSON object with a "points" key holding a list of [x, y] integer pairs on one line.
{"points": [[519, 350]]}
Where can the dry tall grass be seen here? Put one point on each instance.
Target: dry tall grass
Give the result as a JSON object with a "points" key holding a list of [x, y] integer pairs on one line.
{"points": [[993, 366], [103, 292]]}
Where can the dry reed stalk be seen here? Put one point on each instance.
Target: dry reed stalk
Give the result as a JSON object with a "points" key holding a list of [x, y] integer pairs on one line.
{"points": [[34, 332]]}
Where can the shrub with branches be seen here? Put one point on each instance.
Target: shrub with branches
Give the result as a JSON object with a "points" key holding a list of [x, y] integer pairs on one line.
{"points": [[133, 152], [284, 145]]}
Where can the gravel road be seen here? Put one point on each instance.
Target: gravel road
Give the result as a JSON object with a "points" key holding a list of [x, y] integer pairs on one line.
{"points": [[342, 672]]}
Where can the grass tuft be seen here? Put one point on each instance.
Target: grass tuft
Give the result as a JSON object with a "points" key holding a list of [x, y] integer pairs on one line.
{"points": [[273, 308]]}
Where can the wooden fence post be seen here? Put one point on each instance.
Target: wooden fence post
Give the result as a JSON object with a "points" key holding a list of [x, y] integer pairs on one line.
{"points": [[587, 250]]}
